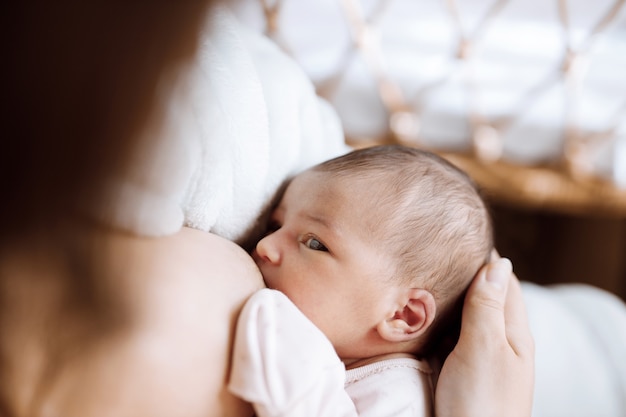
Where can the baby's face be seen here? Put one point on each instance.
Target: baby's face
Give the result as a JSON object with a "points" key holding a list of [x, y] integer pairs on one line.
{"points": [[324, 255]]}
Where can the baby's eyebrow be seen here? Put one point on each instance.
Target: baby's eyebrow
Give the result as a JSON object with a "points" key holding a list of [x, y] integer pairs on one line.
{"points": [[330, 225], [317, 219]]}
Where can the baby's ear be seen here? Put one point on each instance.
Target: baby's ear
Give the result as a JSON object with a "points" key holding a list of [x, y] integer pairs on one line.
{"points": [[412, 319]]}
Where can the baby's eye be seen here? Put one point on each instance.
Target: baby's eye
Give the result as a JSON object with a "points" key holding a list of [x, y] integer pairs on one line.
{"points": [[314, 244]]}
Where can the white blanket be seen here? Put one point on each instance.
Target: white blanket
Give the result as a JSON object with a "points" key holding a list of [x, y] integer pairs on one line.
{"points": [[580, 339], [241, 119]]}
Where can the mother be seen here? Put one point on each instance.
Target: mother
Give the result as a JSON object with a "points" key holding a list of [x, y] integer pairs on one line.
{"points": [[96, 321]]}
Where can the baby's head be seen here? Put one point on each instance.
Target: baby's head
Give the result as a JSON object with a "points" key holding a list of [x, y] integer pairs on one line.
{"points": [[377, 247]]}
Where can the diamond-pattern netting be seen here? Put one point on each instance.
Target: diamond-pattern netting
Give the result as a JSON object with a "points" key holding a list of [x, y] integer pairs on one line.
{"points": [[528, 95]]}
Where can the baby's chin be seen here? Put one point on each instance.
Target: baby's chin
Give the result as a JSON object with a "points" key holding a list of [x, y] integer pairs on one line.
{"points": [[266, 279]]}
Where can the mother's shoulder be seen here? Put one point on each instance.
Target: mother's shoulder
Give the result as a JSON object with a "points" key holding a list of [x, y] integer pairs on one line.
{"points": [[154, 338]]}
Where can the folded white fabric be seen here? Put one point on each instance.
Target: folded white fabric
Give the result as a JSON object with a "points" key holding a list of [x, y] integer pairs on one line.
{"points": [[231, 127]]}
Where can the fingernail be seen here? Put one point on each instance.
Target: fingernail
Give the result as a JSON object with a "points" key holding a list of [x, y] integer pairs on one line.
{"points": [[499, 272]]}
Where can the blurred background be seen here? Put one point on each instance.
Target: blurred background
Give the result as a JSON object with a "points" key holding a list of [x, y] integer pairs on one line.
{"points": [[529, 96]]}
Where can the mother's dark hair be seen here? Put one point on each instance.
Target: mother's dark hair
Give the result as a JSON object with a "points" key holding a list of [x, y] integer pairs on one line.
{"points": [[79, 79]]}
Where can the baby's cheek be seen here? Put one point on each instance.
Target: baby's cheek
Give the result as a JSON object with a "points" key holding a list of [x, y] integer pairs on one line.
{"points": [[277, 282]]}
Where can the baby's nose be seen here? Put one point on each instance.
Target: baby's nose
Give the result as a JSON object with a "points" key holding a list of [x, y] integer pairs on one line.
{"points": [[267, 249]]}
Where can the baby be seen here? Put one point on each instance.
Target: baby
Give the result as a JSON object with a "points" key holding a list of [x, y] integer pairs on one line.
{"points": [[367, 262]]}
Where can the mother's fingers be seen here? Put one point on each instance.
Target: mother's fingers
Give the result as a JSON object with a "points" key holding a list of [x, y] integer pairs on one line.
{"points": [[490, 372], [516, 321], [515, 316], [484, 309]]}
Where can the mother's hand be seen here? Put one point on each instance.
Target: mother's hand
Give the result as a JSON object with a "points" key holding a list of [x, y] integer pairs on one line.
{"points": [[490, 372]]}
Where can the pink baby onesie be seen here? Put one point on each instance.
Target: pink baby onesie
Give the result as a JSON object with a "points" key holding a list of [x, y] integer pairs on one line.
{"points": [[285, 366]]}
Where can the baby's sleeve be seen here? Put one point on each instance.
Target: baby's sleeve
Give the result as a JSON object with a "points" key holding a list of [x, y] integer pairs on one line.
{"points": [[283, 364]]}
